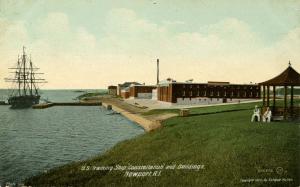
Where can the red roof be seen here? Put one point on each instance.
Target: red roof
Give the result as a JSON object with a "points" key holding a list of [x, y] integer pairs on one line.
{"points": [[289, 77]]}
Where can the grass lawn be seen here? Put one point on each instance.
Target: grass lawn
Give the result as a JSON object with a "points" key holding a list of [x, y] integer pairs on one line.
{"points": [[92, 94], [208, 109], [230, 147]]}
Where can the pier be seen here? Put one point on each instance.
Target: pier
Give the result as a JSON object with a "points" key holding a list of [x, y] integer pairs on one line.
{"points": [[47, 105]]}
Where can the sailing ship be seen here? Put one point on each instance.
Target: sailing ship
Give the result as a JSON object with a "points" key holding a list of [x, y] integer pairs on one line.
{"points": [[25, 92]]}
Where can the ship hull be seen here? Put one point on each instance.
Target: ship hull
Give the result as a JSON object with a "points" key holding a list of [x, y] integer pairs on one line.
{"points": [[23, 101]]}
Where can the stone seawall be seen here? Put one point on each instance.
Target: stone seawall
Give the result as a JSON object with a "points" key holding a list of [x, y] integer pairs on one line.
{"points": [[147, 124]]}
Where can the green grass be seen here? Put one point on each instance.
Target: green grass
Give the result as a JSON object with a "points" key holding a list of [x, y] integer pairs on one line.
{"points": [[281, 91], [280, 102], [224, 108], [228, 144], [92, 94], [160, 111], [220, 108], [207, 110]]}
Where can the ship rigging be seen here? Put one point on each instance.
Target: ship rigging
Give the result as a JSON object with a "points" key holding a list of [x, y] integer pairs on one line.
{"points": [[25, 92]]}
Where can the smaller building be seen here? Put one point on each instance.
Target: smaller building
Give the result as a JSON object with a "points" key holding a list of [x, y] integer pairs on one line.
{"points": [[124, 86], [125, 93], [112, 90], [141, 91]]}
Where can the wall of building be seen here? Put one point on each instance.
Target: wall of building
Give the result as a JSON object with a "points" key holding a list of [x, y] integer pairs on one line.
{"points": [[144, 92], [124, 94], [154, 94], [112, 90], [173, 91], [144, 95], [206, 101], [164, 93], [119, 90]]}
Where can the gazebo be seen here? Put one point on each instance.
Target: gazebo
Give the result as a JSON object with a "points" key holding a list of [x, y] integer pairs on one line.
{"points": [[288, 78]]}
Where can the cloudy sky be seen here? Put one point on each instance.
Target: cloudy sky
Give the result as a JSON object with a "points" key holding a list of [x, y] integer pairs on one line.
{"points": [[94, 43]]}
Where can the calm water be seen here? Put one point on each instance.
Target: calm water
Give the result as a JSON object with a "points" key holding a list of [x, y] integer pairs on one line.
{"points": [[32, 141]]}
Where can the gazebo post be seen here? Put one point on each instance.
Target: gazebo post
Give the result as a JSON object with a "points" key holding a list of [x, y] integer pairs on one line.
{"points": [[274, 97], [264, 94], [285, 101], [292, 100], [268, 96]]}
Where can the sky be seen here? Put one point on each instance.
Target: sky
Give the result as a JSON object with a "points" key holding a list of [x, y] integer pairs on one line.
{"points": [[96, 43]]}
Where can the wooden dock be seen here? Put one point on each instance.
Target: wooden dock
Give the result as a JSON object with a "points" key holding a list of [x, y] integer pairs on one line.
{"points": [[47, 105]]}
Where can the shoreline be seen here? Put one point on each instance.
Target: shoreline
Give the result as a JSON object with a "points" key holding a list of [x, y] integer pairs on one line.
{"points": [[147, 124], [191, 137], [133, 113]]}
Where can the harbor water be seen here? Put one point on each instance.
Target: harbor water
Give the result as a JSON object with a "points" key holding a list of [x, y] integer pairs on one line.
{"points": [[33, 141]]}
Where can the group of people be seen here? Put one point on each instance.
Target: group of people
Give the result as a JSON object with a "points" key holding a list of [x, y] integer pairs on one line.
{"points": [[266, 117]]}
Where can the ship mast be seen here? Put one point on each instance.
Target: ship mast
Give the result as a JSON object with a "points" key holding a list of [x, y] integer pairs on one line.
{"points": [[25, 76], [18, 76], [31, 76], [24, 71]]}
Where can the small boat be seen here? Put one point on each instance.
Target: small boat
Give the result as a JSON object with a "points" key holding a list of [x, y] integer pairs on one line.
{"points": [[113, 113], [3, 103]]}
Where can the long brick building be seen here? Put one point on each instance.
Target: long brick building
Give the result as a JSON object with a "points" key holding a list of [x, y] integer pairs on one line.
{"points": [[219, 92]]}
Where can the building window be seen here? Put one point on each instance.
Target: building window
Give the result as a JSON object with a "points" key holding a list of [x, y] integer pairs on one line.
{"points": [[205, 93], [191, 86], [225, 93], [198, 93], [183, 86], [183, 92], [191, 93]]}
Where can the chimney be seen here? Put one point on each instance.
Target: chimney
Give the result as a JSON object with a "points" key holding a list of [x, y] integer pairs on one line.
{"points": [[157, 80]]}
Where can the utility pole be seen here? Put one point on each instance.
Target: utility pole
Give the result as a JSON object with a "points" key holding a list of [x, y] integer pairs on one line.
{"points": [[157, 76]]}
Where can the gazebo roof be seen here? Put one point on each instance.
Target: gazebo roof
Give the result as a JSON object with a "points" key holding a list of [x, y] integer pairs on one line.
{"points": [[289, 77]]}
